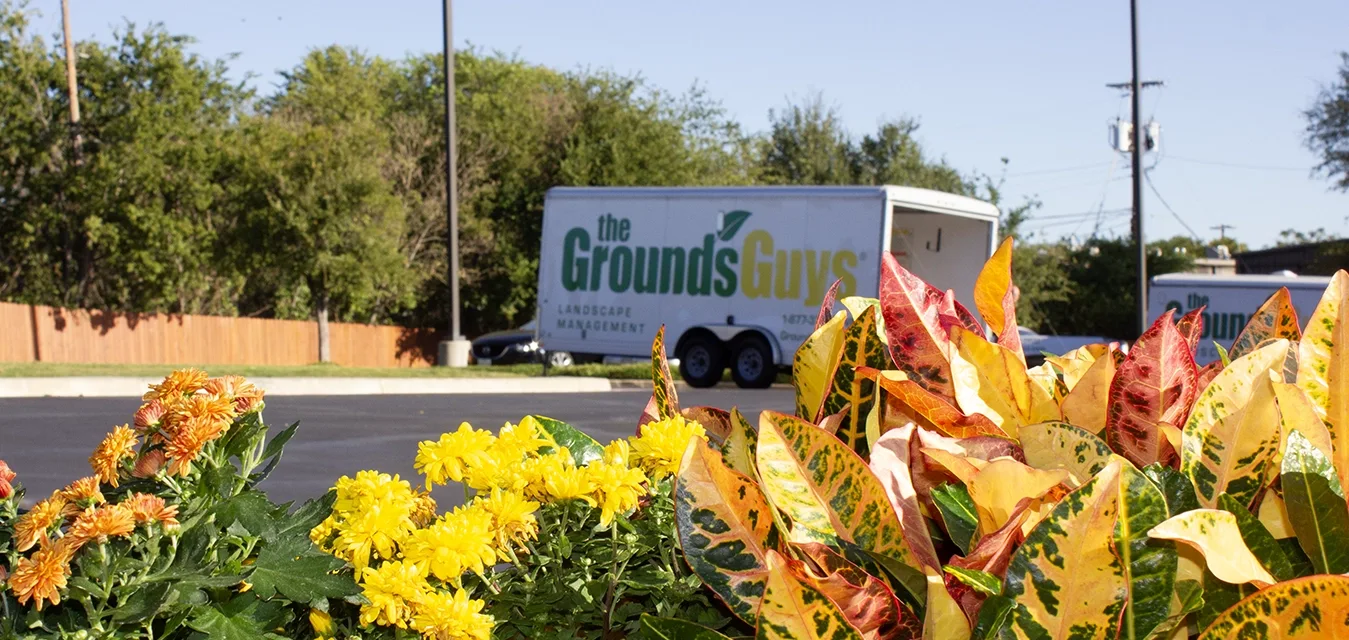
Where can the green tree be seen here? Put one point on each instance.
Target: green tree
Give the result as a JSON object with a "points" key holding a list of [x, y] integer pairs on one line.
{"points": [[806, 145], [1327, 132], [130, 226], [313, 170]]}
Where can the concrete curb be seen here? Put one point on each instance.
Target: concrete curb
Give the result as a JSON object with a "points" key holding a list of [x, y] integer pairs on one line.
{"points": [[123, 387], [679, 384]]}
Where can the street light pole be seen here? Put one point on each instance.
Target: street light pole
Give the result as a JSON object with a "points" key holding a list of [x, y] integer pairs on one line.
{"points": [[454, 351], [1136, 93]]}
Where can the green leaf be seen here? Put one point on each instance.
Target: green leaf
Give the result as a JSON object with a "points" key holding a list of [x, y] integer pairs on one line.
{"points": [[981, 581], [995, 617], [862, 347], [1176, 488], [145, 603], [1189, 598], [1222, 354], [308, 516], [671, 629], [583, 448], [731, 222], [250, 510], [1149, 565], [1316, 505], [234, 620], [1219, 596], [278, 443], [958, 514], [1258, 539], [297, 570]]}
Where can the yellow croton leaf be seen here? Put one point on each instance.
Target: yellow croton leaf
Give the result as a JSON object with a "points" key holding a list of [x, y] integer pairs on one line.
{"points": [[990, 380], [813, 366], [1232, 437], [1215, 534], [997, 486], [1297, 412], [1311, 608], [944, 620], [1089, 398], [1323, 360], [1274, 515]]}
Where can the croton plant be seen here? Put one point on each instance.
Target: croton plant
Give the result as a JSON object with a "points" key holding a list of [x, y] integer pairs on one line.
{"points": [[932, 485]]}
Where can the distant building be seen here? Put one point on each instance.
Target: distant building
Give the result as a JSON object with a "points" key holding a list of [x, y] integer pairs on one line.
{"points": [[1312, 259], [1216, 261]]}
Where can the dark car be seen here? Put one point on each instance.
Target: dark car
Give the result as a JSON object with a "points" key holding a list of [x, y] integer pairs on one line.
{"points": [[516, 346]]}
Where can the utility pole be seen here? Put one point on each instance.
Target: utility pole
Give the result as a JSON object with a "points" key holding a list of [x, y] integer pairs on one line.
{"points": [[1222, 230], [1135, 89], [454, 350], [71, 85]]}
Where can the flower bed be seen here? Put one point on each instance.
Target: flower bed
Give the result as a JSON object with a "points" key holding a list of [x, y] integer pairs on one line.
{"points": [[928, 485]]}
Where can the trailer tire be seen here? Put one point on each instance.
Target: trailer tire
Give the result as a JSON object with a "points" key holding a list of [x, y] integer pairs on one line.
{"points": [[702, 360], [752, 365]]}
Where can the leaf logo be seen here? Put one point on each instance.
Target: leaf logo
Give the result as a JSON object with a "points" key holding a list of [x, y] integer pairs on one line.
{"points": [[731, 223]]}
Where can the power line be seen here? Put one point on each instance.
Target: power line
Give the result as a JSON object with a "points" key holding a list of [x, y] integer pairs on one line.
{"points": [[1060, 216], [1038, 172], [1147, 177], [1235, 165]]}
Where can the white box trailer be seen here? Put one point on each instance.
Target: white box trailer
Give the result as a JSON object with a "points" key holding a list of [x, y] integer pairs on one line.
{"points": [[736, 274], [1228, 302]]}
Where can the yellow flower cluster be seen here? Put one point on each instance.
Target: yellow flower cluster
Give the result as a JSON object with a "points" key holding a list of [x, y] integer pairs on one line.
{"points": [[410, 562], [179, 417]]}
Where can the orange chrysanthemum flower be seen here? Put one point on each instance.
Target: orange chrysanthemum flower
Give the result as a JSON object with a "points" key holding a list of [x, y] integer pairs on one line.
{"points": [[42, 577], [97, 524], [178, 383], [149, 416], [107, 459], [32, 527], [149, 464], [83, 492], [190, 439], [147, 508], [206, 407], [7, 476]]}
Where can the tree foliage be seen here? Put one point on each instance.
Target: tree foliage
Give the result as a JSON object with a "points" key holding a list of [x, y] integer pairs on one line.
{"points": [[326, 196], [1327, 132]]}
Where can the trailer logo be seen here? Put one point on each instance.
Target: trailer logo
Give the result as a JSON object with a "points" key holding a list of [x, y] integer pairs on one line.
{"points": [[757, 268]]}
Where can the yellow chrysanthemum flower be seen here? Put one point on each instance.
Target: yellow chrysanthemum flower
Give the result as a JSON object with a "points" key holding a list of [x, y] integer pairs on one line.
{"points": [[42, 577], [618, 488], [513, 520], [569, 483], [515, 441], [423, 509], [32, 527], [617, 452], [322, 624], [459, 541], [392, 590], [661, 445], [536, 472], [496, 470], [444, 616], [444, 460], [379, 529], [321, 534], [84, 492], [107, 459]]}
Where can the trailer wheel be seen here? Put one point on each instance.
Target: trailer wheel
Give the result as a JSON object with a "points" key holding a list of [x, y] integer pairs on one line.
{"points": [[752, 364], [702, 360]]}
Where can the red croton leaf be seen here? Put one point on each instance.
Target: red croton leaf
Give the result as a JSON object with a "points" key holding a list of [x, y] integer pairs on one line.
{"points": [[827, 305], [1191, 327], [1157, 382], [917, 320]]}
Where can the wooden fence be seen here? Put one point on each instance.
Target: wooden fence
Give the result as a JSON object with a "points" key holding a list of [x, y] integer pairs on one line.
{"points": [[49, 334]]}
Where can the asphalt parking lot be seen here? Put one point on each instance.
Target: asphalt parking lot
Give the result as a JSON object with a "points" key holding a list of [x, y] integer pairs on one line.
{"points": [[48, 440]]}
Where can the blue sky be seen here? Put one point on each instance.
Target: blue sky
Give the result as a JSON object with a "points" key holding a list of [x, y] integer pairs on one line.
{"points": [[987, 79]]}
